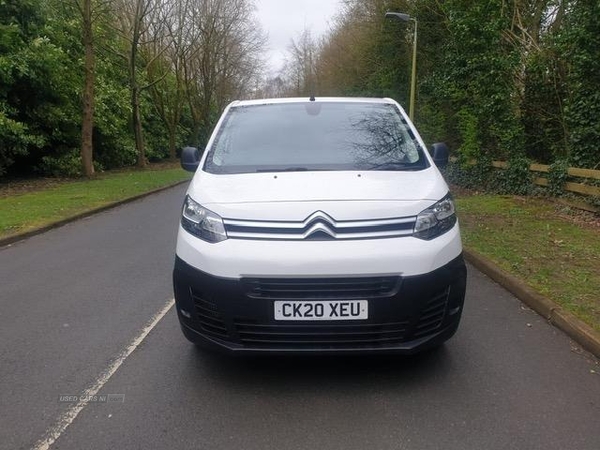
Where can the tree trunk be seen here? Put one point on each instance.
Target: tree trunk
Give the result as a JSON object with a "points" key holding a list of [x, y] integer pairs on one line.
{"points": [[87, 122], [136, 115], [172, 145], [137, 126]]}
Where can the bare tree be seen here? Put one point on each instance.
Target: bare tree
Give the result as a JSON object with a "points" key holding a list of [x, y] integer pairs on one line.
{"points": [[139, 24], [195, 54], [179, 37], [272, 87], [225, 59], [300, 66]]}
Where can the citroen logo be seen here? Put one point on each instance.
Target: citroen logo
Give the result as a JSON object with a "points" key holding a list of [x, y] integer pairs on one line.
{"points": [[319, 222]]}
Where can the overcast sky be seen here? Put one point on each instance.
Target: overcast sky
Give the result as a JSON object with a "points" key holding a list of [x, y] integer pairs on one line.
{"points": [[285, 19]]}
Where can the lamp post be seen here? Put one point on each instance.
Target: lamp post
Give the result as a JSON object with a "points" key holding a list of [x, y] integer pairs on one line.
{"points": [[413, 78]]}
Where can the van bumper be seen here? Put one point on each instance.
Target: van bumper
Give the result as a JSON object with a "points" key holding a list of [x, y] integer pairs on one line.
{"points": [[227, 314]]}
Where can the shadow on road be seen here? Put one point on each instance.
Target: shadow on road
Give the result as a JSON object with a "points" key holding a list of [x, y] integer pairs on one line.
{"points": [[322, 372]]}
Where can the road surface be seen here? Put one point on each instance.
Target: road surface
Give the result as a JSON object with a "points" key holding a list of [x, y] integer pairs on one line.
{"points": [[88, 307]]}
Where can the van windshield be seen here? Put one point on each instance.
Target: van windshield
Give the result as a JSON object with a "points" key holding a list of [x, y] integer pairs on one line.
{"points": [[314, 136]]}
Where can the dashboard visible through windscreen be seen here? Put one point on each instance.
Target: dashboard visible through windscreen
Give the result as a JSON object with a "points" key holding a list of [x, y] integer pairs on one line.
{"points": [[314, 136]]}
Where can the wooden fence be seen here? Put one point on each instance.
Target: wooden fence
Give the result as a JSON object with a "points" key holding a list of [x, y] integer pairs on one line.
{"points": [[578, 187]]}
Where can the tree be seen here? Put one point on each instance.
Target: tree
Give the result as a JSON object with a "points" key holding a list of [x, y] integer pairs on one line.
{"points": [[168, 92], [579, 45], [87, 120], [364, 54], [224, 61], [39, 77], [19, 23], [140, 22], [108, 83], [300, 66]]}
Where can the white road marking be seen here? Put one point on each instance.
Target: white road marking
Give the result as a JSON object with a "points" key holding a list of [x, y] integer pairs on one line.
{"points": [[67, 418]]}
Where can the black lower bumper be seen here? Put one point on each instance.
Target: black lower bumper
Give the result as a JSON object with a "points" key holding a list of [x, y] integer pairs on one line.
{"points": [[406, 314]]}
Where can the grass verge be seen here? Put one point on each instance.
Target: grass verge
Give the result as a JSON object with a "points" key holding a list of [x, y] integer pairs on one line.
{"points": [[37, 206], [529, 239]]}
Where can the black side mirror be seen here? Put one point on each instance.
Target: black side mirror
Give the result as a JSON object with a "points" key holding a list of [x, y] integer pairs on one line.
{"points": [[190, 158], [440, 154]]}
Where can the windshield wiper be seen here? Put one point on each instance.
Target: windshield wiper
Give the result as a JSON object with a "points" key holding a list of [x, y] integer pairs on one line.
{"points": [[396, 166], [286, 169]]}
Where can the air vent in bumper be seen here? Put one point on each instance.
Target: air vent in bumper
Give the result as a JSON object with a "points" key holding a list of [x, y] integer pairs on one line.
{"points": [[208, 315], [321, 288], [256, 335]]}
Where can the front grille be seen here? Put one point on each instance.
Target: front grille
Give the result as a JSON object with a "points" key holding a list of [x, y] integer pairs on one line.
{"points": [[330, 336], [432, 316], [208, 315], [319, 225], [321, 288]]}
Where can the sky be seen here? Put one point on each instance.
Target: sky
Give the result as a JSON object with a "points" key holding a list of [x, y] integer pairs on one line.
{"points": [[286, 19]]}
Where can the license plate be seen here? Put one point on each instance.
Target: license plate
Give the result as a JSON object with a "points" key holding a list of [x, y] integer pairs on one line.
{"points": [[322, 310]]}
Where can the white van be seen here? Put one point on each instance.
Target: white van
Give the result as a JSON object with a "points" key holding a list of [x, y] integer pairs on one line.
{"points": [[318, 225]]}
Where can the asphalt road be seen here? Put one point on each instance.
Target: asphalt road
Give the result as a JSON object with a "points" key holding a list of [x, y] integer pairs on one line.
{"points": [[74, 299]]}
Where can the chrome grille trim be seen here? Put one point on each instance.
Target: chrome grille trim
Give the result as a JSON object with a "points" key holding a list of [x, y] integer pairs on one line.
{"points": [[301, 225], [389, 234], [319, 223]]}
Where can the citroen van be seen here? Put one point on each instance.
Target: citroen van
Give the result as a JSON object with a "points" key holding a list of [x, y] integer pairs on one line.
{"points": [[318, 225]]}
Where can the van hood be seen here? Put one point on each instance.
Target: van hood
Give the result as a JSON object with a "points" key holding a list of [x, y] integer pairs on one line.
{"points": [[318, 186], [383, 193]]}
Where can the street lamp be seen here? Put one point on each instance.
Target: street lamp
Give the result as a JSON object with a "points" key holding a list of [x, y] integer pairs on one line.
{"points": [[413, 78]]}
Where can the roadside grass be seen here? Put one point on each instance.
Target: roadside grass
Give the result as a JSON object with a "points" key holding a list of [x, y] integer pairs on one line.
{"points": [[529, 239], [23, 210]]}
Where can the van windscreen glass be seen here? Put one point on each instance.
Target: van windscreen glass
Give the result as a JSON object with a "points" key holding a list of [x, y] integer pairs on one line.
{"points": [[314, 136]]}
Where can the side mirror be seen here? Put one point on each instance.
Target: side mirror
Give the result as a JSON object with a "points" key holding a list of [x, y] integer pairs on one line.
{"points": [[440, 154], [190, 158]]}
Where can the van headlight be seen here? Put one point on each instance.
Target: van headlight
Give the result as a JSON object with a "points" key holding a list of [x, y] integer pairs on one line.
{"points": [[202, 223], [436, 220]]}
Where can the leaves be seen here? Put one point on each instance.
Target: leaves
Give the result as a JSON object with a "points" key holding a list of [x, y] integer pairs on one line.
{"points": [[179, 64], [496, 78]]}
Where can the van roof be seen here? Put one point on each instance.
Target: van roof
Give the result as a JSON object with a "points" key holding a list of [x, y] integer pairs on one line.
{"points": [[268, 101]]}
